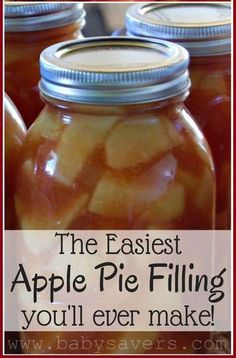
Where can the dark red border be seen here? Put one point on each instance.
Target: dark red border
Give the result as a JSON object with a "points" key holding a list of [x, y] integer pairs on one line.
{"points": [[1, 222], [1, 166]]}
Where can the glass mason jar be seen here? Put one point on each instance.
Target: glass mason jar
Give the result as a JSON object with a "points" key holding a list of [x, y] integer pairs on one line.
{"points": [[15, 132], [115, 147], [29, 29], [204, 30]]}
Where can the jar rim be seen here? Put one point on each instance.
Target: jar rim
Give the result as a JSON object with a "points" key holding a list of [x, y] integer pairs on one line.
{"points": [[28, 17], [210, 35], [131, 70]]}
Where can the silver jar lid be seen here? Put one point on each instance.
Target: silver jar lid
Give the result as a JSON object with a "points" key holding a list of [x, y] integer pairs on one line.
{"points": [[202, 28], [114, 70], [28, 16]]}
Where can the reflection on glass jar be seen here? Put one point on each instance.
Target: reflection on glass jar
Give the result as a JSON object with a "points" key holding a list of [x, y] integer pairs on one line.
{"points": [[15, 132], [115, 149], [204, 30], [29, 28]]}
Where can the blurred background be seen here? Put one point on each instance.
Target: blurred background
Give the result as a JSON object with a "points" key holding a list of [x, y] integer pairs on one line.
{"points": [[104, 18]]}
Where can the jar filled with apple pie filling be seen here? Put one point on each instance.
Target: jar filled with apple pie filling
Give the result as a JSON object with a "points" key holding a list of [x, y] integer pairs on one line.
{"points": [[29, 29], [204, 30], [115, 148]]}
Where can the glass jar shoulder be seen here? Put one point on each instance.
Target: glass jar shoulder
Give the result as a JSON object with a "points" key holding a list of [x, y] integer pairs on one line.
{"points": [[15, 133], [15, 129]]}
